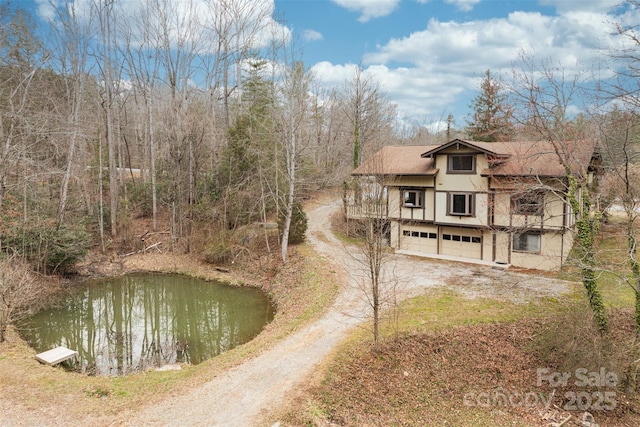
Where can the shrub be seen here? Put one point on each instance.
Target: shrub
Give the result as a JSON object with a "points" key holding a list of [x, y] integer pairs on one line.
{"points": [[298, 229], [48, 248], [220, 251]]}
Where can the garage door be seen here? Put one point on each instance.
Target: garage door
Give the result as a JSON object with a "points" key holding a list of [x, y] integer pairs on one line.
{"points": [[462, 243], [419, 240]]}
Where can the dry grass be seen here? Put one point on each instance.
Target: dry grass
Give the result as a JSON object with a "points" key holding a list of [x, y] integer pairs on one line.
{"points": [[440, 369]]}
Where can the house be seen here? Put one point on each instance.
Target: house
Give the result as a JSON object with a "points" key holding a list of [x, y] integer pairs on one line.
{"points": [[501, 202]]}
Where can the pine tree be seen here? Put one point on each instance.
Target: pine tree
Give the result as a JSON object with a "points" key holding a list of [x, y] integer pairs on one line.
{"points": [[491, 114]]}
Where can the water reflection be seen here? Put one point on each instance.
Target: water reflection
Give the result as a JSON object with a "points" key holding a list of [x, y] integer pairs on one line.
{"points": [[135, 322]]}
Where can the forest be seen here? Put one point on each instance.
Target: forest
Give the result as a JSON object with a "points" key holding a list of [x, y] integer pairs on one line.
{"points": [[202, 123]]}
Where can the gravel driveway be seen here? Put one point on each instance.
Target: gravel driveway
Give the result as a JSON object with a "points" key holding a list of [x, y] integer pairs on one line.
{"points": [[242, 396]]}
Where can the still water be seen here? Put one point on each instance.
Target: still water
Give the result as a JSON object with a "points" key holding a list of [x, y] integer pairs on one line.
{"points": [[132, 323]]}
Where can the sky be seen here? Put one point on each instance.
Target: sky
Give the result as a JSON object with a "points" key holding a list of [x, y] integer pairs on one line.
{"points": [[429, 56]]}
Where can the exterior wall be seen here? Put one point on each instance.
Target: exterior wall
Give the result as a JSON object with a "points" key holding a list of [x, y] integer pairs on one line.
{"points": [[550, 257], [554, 210], [396, 208], [461, 181], [425, 213], [410, 181], [480, 217]]}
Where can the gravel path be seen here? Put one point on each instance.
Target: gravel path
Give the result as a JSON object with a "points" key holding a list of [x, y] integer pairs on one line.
{"points": [[243, 395]]}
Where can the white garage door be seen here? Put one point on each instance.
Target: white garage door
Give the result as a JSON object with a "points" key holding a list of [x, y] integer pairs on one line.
{"points": [[462, 243]]}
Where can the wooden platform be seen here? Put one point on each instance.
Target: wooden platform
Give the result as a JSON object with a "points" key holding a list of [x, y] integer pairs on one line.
{"points": [[56, 355]]}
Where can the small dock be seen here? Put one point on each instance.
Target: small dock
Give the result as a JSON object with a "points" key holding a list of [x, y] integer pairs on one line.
{"points": [[56, 355]]}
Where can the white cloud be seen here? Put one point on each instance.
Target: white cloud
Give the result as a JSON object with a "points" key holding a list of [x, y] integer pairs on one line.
{"points": [[311, 35], [495, 44], [464, 5], [427, 73], [194, 23], [369, 9]]}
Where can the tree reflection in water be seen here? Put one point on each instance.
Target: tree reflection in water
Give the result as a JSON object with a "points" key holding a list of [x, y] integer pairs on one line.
{"points": [[132, 323]]}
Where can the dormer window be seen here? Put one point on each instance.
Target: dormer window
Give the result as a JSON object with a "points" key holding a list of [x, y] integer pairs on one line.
{"points": [[461, 163]]}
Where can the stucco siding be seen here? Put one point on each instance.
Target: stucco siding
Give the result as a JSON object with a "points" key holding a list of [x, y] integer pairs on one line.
{"points": [[480, 208], [553, 210], [550, 256]]}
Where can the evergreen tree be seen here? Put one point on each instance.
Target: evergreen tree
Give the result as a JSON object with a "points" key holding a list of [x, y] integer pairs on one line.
{"points": [[492, 115]]}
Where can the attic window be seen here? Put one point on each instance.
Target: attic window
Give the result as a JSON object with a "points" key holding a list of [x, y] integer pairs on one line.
{"points": [[461, 163]]}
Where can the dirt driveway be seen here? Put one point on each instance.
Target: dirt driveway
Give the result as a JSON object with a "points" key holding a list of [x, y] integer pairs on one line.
{"points": [[243, 395]]}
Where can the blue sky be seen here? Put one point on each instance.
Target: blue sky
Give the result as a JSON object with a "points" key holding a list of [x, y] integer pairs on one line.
{"points": [[428, 56]]}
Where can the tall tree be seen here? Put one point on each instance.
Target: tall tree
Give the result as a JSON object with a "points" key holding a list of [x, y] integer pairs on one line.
{"points": [[294, 136], [492, 115], [21, 58], [105, 11], [368, 113], [72, 37], [544, 93]]}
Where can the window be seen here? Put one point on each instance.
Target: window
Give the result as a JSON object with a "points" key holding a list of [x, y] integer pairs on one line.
{"points": [[413, 198], [527, 242], [426, 235], [458, 238], [527, 204], [461, 163], [461, 204]]}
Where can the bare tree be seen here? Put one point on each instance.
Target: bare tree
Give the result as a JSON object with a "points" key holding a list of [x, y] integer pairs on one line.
{"points": [[294, 136], [543, 94], [20, 293], [365, 107], [72, 35], [20, 62], [378, 282], [105, 11]]}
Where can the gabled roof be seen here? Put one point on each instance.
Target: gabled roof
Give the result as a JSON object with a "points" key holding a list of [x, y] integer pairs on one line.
{"points": [[516, 158], [490, 148], [398, 160]]}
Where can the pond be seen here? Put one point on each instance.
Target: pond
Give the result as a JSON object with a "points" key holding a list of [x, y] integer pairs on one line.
{"points": [[132, 323]]}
